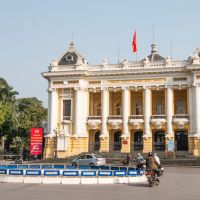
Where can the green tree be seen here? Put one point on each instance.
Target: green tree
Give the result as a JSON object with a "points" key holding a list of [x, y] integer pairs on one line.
{"points": [[31, 113], [8, 120]]}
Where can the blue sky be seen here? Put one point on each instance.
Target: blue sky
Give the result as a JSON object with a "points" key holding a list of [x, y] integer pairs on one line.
{"points": [[32, 33]]}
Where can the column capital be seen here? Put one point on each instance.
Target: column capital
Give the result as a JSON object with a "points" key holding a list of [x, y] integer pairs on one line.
{"points": [[51, 89], [104, 88], [146, 87], [125, 87]]}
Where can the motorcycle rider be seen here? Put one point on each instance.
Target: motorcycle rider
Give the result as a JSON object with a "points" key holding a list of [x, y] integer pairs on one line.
{"points": [[151, 163], [140, 162], [157, 158]]}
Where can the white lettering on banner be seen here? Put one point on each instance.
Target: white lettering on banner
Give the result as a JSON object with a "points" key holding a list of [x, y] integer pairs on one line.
{"points": [[88, 173], [120, 173], [51, 173], [105, 173], [132, 172], [70, 173], [32, 173], [15, 172]]}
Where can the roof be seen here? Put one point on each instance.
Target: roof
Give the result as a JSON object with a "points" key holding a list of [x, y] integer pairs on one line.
{"points": [[154, 56]]}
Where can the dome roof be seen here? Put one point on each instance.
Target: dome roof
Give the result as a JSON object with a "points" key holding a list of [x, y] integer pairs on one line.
{"points": [[154, 56]]}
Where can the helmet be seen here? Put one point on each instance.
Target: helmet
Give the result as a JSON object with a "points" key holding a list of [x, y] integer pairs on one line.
{"points": [[150, 154], [155, 154], [139, 154]]}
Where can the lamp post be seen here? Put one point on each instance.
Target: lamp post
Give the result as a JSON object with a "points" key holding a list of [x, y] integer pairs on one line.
{"points": [[56, 143]]}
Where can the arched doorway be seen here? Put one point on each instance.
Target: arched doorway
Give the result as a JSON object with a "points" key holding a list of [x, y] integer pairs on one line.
{"points": [[159, 141], [181, 139], [138, 140], [97, 141], [117, 141]]}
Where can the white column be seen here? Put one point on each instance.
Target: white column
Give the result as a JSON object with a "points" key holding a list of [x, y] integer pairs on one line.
{"points": [[53, 111], [147, 112], [197, 109], [49, 111], [191, 109], [169, 110], [77, 112], [104, 111], [125, 110], [80, 115]]}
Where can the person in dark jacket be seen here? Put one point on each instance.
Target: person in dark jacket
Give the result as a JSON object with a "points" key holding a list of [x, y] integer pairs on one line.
{"points": [[151, 163]]}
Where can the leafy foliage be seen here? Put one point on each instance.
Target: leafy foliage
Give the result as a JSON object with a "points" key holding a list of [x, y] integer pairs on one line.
{"points": [[17, 116]]}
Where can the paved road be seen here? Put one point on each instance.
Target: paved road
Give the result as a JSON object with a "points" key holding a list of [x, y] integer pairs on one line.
{"points": [[176, 184]]}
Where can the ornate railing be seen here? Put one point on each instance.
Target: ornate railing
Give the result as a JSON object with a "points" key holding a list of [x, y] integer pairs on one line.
{"points": [[94, 117], [158, 117], [182, 116], [66, 118], [114, 117], [136, 117]]}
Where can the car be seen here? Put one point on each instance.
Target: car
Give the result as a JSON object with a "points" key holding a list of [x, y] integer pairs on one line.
{"points": [[88, 160]]}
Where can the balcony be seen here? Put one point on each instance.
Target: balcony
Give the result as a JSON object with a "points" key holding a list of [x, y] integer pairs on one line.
{"points": [[94, 121], [158, 121], [136, 121], [180, 120], [115, 121]]}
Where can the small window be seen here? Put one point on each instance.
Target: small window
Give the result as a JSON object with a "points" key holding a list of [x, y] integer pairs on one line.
{"points": [[82, 157], [66, 109], [88, 157]]}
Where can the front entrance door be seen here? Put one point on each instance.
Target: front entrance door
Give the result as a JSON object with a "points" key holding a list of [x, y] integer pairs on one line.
{"points": [[159, 141], [181, 139], [138, 140], [97, 141], [117, 141]]}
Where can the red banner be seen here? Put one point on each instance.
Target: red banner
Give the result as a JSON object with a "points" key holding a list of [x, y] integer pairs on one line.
{"points": [[36, 141]]}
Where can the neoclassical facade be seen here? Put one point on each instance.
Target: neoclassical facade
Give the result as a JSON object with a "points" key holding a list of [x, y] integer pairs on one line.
{"points": [[123, 108]]}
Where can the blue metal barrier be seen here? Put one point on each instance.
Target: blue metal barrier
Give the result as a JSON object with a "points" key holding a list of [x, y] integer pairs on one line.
{"points": [[3, 171], [3, 167], [11, 166], [51, 173], [105, 173], [70, 167], [22, 166], [16, 172], [133, 173], [59, 166], [33, 172], [83, 167], [34, 166], [105, 167], [95, 167], [70, 173], [47, 167], [114, 168], [88, 173], [119, 173], [123, 168]]}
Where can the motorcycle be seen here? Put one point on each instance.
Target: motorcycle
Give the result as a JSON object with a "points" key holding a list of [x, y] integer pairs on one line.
{"points": [[160, 170], [141, 164], [152, 178]]}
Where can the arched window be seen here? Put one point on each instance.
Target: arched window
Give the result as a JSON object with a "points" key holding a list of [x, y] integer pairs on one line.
{"points": [[180, 107], [117, 141], [97, 141], [159, 140], [138, 140]]}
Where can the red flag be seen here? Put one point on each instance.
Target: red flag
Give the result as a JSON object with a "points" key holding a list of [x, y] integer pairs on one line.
{"points": [[134, 43]]}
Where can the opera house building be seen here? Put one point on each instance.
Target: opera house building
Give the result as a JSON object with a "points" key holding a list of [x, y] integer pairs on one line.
{"points": [[128, 107]]}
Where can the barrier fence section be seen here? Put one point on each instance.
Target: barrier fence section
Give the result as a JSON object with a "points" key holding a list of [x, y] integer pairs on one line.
{"points": [[64, 174]]}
